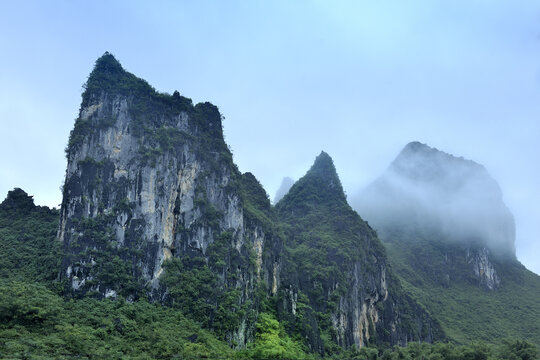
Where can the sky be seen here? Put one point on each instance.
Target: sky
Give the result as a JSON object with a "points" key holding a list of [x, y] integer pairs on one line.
{"points": [[357, 79]]}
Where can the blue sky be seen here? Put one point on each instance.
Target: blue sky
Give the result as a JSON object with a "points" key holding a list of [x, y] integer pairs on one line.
{"points": [[357, 79]]}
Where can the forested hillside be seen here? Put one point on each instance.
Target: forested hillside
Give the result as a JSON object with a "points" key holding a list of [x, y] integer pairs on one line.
{"points": [[450, 238], [163, 249]]}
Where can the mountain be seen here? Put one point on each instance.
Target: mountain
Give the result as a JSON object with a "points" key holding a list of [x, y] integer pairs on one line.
{"points": [[154, 207], [284, 188], [341, 288], [35, 322], [164, 249], [450, 238]]}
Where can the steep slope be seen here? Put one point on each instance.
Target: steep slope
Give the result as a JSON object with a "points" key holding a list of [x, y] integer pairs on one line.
{"points": [[151, 189], [336, 282], [154, 207], [450, 237]]}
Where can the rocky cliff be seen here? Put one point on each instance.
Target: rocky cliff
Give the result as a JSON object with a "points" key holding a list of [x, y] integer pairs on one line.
{"points": [[338, 282], [153, 206], [150, 178]]}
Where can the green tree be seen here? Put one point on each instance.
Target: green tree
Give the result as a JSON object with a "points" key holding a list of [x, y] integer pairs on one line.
{"points": [[272, 342]]}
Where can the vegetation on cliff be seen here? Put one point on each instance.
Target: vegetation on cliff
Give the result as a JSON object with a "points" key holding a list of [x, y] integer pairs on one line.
{"points": [[305, 279], [36, 322], [450, 238], [466, 310], [28, 246], [338, 264]]}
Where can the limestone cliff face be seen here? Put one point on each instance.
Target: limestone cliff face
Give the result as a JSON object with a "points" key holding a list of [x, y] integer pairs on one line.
{"points": [[153, 206], [483, 268], [149, 178], [337, 267]]}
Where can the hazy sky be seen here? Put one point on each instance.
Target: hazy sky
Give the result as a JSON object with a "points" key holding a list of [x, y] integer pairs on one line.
{"points": [[358, 79]]}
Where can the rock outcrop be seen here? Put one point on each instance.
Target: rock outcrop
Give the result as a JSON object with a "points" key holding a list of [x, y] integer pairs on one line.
{"points": [[153, 206], [338, 267], [150, 178]]}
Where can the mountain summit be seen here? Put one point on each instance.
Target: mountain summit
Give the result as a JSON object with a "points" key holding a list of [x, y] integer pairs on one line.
{"points": [[444, 193], [450, 238], [337, 262], [283, 189], [18, 200], [319, 186]]}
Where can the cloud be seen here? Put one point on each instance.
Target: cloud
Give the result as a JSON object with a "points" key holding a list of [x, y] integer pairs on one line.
{"points": [[440, 196]]}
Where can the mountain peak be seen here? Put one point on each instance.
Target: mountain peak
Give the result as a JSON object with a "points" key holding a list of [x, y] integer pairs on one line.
{"points": [[416, 146], [109, 76], [108, 63], [18, 199], [455, 196], [420, 162], [320, 185], [284, 188], [324, 160], [324, 171]]}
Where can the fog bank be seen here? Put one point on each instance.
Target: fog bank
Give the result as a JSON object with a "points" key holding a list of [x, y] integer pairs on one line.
{"points": [[436, 193]]}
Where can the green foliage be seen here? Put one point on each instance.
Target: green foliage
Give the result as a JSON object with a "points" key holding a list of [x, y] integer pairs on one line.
{"points": [[191, 287], [27, 303], [325, 238], [438, 276], [160, 140], [209, 214], [272, 342], [28, 246], [202, 290], [98, 257], [35, 323]]}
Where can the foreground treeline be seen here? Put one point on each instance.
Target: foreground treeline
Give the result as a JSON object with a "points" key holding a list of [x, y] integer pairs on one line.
{"points": [[35, 323]]}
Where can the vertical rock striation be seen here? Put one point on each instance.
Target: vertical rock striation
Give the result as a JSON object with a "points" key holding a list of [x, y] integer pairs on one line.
{"points": [[150, 178], [338, 282], [153, 206]]}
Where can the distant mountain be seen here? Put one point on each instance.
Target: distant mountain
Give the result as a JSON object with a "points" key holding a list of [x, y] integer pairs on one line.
{"points": [[450, 237], [284, 188]]}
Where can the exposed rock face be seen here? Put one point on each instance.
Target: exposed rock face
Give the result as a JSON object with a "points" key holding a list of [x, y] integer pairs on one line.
{"points": [[426, 193], [154, 206], [337, 266], [150, 178], [483, 268]]}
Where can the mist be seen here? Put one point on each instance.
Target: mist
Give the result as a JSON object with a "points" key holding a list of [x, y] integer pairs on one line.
{"points": [[283, 189], [435, 194], [357, 79]]}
